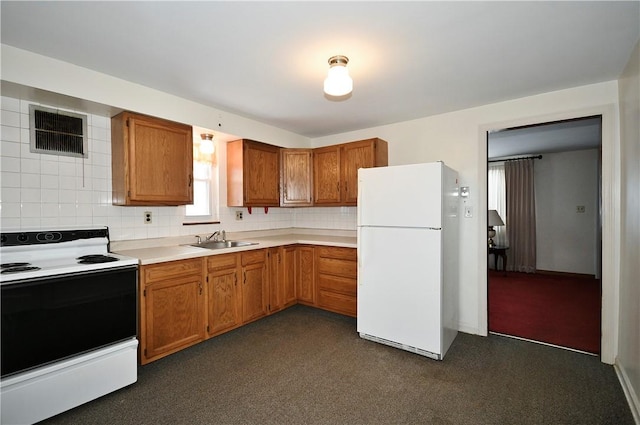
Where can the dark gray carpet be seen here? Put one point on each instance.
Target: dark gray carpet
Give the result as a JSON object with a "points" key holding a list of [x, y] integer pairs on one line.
{"points": [[307, 366]]}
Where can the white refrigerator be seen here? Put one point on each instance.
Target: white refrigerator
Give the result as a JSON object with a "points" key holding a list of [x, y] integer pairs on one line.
{"points": [[408, 257]]}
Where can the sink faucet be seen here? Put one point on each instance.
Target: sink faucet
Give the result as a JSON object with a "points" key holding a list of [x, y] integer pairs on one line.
{"points": [[216, 236]]}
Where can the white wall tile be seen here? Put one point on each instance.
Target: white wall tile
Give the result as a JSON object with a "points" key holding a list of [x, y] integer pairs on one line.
{"points": [[77, 191]]}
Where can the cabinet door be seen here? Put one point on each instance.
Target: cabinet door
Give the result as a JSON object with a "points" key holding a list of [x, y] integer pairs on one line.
{"points": [[261, 174], [289, 270], [254, 285], [160, 162], [222, 300], [276, 300], [296, 177], [306, 291], [354, 156], [173, 310], [326, 175]]}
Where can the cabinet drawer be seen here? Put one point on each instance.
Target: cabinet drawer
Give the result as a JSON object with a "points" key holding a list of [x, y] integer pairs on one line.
{"points": [[340, 303], [333, 252], [172, 269], [253, 257], [338, 267], [344, 285], [221, 262]]}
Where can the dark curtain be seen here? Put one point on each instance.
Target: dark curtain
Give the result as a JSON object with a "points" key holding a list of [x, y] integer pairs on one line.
{"points": [[521, 213]]}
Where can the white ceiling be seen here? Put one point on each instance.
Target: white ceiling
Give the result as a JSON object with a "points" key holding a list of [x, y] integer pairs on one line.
{"points": [[267, 60]]}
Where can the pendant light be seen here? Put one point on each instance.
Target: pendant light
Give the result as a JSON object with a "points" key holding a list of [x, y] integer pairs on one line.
{"points": [[338, 82], [206, 145]]}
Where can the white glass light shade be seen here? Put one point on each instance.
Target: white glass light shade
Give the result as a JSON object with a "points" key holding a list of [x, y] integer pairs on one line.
{"points": [[338, 81], [206, 145]]}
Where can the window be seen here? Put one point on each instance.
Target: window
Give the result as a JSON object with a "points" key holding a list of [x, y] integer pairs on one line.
{"points": [[205, 181]]}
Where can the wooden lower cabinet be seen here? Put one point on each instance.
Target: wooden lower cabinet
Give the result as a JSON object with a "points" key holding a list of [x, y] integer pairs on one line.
{"points": [[187, 301], [223, 293], [171, 308], [255, 293], [336, 279], [282, 277], [305, 278]]}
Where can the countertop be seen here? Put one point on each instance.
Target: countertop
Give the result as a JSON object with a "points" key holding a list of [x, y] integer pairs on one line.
{"points": [[162, 252]]}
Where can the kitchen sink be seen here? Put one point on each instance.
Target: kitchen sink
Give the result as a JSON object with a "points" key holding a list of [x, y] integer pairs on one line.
{"points": [[223, 244]]}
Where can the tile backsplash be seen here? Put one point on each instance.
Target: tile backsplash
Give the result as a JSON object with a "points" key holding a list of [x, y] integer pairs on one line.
{"points": [[48, 191]]}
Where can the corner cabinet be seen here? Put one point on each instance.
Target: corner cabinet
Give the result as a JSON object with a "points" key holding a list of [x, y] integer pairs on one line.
{"points": [[152, 161], [253, 173], [171, 308], [296, 177], [335, 170]]}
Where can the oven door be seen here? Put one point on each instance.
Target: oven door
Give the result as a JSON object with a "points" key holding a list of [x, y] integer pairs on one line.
{"points": [[51, 318]]}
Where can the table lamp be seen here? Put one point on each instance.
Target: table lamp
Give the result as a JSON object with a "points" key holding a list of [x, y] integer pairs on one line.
{"points": [[493, 220]]}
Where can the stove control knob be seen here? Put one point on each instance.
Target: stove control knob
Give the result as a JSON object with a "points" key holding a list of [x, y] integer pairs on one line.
{"points": [[23, 238]]}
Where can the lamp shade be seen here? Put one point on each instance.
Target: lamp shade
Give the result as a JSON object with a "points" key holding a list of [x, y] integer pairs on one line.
{"points": [[206, 145], [495, 219], [338, 81]]}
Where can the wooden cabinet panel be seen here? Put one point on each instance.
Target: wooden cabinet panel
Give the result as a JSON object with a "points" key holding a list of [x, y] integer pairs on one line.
{"points": [[336, 169], [362, 154], [254, 292], [336, 279], [152, 161], [171, 308], [223, 309], [296, 177], [305, 282], [289, 270], [326, 175], [276, 293], [253, 174]]}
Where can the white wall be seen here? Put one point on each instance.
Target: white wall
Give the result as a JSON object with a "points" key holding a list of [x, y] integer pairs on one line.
{"points": [[459, 139], [629, 345], [566, 239]]}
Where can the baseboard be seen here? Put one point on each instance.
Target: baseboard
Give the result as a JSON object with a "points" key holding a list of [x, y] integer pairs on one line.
{"points": [[629, 393], [566, 274]]}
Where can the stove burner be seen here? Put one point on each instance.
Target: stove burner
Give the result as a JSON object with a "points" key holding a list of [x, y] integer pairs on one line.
{"points": [[95, 259], [19, 269], [8, 265]]}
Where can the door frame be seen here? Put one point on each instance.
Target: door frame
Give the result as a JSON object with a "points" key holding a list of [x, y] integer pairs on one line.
{"points": [[610, 216]]}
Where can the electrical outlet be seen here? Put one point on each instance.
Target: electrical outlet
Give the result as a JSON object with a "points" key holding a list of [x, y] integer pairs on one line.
{"points": [[468, 212], [238, 215], [147, 217], [580, 209]]}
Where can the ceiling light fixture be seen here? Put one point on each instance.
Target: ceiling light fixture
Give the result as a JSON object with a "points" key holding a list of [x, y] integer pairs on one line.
{"points": [[338, 82], [206, 145]]}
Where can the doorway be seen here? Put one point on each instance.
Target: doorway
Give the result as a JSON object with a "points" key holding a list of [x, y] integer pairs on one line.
{"points": [[557, 302]]}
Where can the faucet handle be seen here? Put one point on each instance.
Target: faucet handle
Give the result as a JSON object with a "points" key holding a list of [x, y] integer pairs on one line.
{"points": [[199, 239], [224, 235]]}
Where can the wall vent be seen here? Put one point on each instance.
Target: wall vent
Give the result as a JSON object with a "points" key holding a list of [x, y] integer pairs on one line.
{"points": [[57, 132]]}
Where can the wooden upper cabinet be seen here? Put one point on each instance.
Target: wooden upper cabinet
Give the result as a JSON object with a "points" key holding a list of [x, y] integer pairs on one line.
{"points": [[336, 169], [296, 177], [363, 154], [152, 161], [253, 174], [326, 175]]}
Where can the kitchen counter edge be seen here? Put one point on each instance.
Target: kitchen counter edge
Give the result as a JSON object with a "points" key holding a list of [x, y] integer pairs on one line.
{"points": [[161, 254]]}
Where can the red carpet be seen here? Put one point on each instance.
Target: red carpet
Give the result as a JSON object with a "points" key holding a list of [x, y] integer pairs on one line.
{"points": [[554, 309]]}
